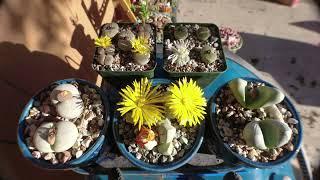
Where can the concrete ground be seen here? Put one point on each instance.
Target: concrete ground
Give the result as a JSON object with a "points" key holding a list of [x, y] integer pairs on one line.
{"points": [[43, 41]]}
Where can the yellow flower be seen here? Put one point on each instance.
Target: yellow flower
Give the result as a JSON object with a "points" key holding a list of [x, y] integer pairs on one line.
{"points": [[143, 102], [140, 45], [103, 41], [186, 102]]}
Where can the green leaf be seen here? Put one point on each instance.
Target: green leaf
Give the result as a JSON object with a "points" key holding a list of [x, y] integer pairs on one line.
{"points": [[238, 88], [265, 96], [276, 133]]}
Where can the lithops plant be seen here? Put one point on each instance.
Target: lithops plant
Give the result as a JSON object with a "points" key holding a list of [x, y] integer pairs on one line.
{"points": [[180, 52], [267, 134], [124, 40], [141, 50], [167, 133], [203, 33], [55, 136], [144, 30], [67, 101], [208, 54], [181, 32], [110, 30], [259, 97]]}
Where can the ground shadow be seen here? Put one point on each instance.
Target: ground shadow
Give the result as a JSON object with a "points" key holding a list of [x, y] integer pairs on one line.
{"points": [[294, 65], [309, 25], [94, 13], [22, 74]]}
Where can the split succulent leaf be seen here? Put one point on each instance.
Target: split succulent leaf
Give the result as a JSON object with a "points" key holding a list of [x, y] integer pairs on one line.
{"points": [[260, 97], [267, 134]]}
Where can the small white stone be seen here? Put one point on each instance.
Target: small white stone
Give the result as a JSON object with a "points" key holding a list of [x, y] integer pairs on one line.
{"points": [[138, 156], [48, 156], [150, 145], [36, 154], [292, 121], [86, 142], [79, 153], [183, 140]]}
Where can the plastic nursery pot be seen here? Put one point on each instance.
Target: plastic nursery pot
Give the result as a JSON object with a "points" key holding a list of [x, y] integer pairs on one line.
{"points": [[105, 73], [201, 77], [89, 156], [157, 167], [234, 157]]}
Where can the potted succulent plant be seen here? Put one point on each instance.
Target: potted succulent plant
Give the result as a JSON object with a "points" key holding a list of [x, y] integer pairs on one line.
{"points": [[193, 49], [160, 126], [255, 122], [125, 49], [63, 125], [158, 13], [231, 39]]}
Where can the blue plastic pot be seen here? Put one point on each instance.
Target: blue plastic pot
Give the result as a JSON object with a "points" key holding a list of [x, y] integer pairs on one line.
{"points": [[90, 154], [156, 167], [234, 157]]}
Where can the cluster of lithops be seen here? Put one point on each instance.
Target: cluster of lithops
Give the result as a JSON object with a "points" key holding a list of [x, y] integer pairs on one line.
{"points": [[125, 47], [193, 48], [230, 38], [157, 13], [159, 124], [64, 121], [254, 120]]}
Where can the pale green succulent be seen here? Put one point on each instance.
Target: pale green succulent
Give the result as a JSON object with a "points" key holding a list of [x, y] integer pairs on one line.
{"points": [[180, 55], [208, 54], [267, 134], [181, 32], [203, 33], [260, 97]]}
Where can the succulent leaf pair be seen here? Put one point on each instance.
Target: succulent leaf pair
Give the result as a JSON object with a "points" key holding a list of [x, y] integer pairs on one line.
{"points": [[270, 133]]}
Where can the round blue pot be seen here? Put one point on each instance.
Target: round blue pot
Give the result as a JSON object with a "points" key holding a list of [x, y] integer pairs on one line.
{"points": [[234, 157], [157, 167], [90, 154]]}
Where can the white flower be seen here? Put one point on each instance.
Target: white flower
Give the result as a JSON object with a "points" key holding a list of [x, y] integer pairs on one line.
{"points": [[180, 55]]}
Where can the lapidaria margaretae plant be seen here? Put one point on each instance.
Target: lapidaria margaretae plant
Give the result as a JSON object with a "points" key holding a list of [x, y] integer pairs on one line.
{"points": [[142, 103], [186, 102]]}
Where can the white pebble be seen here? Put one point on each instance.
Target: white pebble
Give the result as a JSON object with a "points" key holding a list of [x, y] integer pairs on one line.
{"points": [[292, 121], [36, 154], [138, 156], [48, 156], [79, 153]]}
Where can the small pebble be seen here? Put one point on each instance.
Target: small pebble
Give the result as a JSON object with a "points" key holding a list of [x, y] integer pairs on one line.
{"points": [[79, 153], [170, 159], [138, 155], [36, 154], [164, 159], [292, 121], [48, 156], [54, 161]]}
